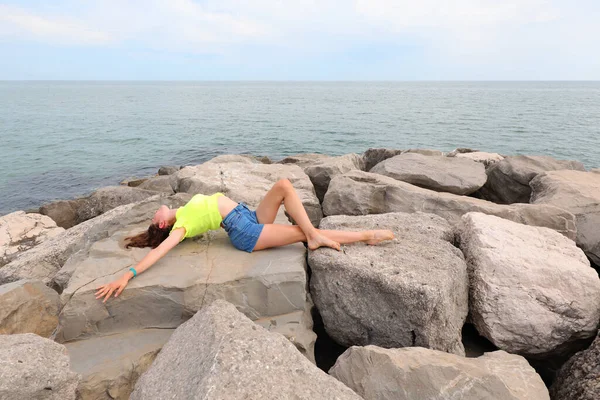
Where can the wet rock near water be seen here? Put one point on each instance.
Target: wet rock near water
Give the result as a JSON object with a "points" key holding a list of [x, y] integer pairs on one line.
{"points": [[417, 373], [221, 354]]}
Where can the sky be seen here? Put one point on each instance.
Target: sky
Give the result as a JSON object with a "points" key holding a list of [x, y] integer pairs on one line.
{"points": [[300, 40]]}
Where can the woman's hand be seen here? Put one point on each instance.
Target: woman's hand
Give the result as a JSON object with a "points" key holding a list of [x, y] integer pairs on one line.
{"points": [[108, 289]]}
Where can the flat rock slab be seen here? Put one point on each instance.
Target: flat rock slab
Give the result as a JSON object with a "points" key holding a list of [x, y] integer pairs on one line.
{"points": [[20, 232], [579, 193], [244, 179], [32, 367], [532, 291], [508, 180], [28, 306], [418, 373], [46, 259], [579, 378], [411, 291], [261, 284], [110, 365], [361, 193], [221, 354], [442, 174]]}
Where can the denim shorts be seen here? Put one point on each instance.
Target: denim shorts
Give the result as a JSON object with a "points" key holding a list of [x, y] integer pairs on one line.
{"points": [[242, 226]]}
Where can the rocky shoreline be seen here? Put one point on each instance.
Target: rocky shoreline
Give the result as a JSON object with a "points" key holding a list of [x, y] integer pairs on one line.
{"points": [[506, 245]]}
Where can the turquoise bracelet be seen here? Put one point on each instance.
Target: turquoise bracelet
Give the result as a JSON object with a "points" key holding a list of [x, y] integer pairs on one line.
{"points": [[134, 272]]}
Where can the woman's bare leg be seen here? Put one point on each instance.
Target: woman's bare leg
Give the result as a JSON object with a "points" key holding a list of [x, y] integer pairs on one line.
{"points": [[275, 235], [283, 191]]}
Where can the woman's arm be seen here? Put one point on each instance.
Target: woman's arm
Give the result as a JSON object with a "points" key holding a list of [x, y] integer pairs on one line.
{"points": [[152, 257]]}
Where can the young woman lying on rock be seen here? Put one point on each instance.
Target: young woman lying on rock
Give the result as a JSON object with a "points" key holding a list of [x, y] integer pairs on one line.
{"points": [[248, 230]]}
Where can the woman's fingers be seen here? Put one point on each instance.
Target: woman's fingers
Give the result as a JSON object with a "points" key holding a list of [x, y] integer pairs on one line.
{"points": [[101, 291], [120, 290], [110, 291]]}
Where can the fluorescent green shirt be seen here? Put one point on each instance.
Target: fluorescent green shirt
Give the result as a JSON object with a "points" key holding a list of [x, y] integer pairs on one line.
{"points": [[199, 215]]}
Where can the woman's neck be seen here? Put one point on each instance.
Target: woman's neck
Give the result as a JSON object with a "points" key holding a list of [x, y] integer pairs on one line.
{"points": [[173, 216]]}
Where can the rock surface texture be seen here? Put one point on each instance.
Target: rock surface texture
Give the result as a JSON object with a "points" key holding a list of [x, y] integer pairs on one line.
{"points": [[245, 179], [372, 157], [264, 285], [487, 159], [442, 174], [417, 373], [20, 232], [110, 365], [45, 260], [321, 174], [68, 213], [508, 180], [579, 193], [411, 291], [221, 354], [361, 193], [28, 306], [32, 367], [532, 291], [579, 378]]}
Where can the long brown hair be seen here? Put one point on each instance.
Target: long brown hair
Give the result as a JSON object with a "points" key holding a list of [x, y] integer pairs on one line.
{"points": [[150, 238]]}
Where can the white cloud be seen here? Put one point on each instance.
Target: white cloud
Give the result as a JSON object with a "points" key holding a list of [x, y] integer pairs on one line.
{"points": [[20, 24], [460, 32]]}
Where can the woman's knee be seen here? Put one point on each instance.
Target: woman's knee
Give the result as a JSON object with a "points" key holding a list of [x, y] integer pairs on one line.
{"points": [[284, 184]]}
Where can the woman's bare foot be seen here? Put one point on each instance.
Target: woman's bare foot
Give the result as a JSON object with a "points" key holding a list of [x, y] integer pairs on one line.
{"points": [[322, 241], [379, 236]]}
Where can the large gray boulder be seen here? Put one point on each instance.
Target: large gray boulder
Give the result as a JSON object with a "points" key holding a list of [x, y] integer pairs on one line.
{"points": [[411, 291], [244, 179], [372, 156], [160, 183], [28, 306], [418, 373], [579, 378], [221, 354], [532, 291], [439, 173], [360, 193], [508, 180], [32, 367], [68, 213], [20, 232], [110, 366], [579, 193], [320, 174], [263, 284], [46, 259]]}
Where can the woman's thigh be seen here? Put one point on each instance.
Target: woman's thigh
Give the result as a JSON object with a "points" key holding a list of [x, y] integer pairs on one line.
{"points": [[275, 235]]}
